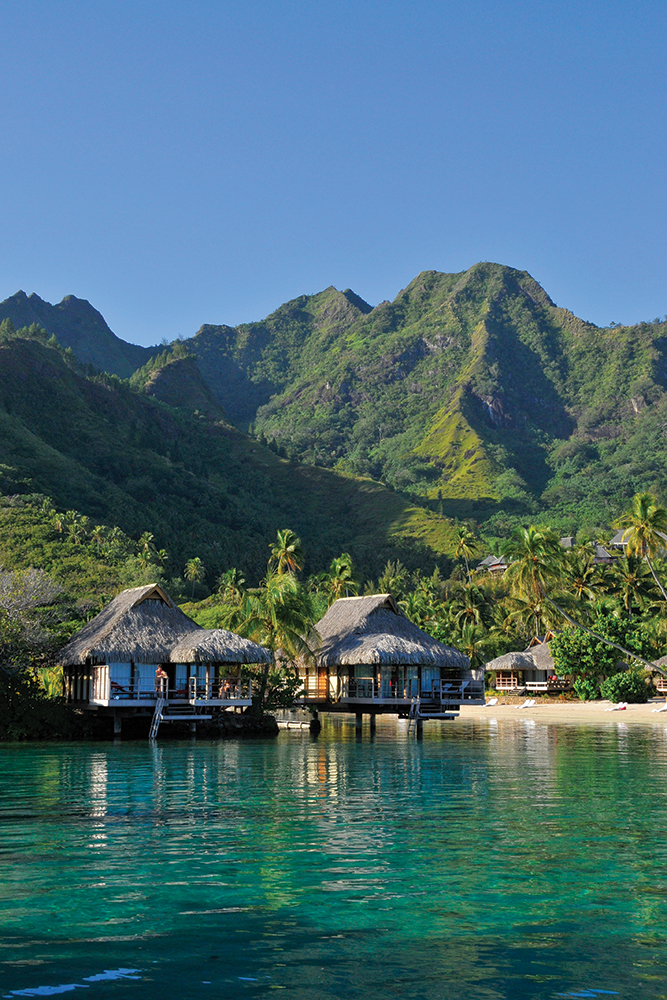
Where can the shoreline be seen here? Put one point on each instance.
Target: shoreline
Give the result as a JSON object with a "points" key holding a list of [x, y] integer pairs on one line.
{"points": [[571, 712]]}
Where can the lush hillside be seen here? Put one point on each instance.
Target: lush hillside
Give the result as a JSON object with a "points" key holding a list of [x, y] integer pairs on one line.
{"points": [[77, 325], [122, 457], [472, 394], [473, 390]]}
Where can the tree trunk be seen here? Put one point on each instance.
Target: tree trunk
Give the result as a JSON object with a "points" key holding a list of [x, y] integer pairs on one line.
{"points": [[653, 573], [262, 688]]}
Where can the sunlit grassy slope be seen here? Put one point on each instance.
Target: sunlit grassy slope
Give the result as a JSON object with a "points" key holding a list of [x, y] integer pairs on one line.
{"points": [[472, 389]]}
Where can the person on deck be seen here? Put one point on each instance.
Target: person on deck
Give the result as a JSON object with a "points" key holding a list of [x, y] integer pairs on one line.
{"points": [[161, 678]]}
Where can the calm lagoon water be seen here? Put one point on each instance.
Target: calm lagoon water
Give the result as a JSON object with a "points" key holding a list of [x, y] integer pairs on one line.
{"points": [[489, 860]]}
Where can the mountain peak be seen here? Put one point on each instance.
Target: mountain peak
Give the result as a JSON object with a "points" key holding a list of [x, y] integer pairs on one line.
{"points": [[78, 325], [357, 301]]}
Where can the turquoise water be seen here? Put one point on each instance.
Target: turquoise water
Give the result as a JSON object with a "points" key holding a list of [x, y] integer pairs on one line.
{"points": [[486, 861]]}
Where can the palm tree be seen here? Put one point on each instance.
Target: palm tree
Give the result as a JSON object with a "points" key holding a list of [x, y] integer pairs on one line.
{"points": [[117, 542], [286, 552], [470, 606], [582, 575], [74, 525], [539, 559], [230, 586], [145, 542], [472, 640], [466, 546], [630, 580], [195, 571], [533, 614], [276, 615], [394, 579], [645, 532], [417, 607], [98, 535], [48, 509], [340, 579]]}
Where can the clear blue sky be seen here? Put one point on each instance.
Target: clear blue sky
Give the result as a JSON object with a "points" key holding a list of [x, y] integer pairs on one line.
{"points": [[192, 162]]}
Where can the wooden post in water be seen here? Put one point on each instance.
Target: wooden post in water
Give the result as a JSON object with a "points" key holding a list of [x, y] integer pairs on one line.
{"points": [[373, 719], [117, 724], [359, 722]]}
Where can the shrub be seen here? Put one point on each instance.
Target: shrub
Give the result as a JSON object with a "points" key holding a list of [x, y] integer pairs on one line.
{"points": [[629, 685], [586, 688], [27, 713]]}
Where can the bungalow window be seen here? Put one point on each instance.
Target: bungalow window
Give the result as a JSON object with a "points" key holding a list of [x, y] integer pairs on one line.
{"points": [[364, 676], [120, 680], [506, 680], [198, 670], [181, 681], [144, 678], [388, 682]]}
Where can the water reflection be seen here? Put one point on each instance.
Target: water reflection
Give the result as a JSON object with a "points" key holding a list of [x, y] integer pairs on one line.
{"points": [[489, 859]]}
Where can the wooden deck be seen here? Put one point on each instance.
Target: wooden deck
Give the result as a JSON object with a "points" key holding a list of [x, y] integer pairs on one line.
{"points": [[441, 699], [104, 693]]}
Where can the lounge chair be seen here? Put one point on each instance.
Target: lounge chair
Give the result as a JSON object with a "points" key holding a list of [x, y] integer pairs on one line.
{"points": [[528, 703], [662, 709], [491, 701], [621, 707]]}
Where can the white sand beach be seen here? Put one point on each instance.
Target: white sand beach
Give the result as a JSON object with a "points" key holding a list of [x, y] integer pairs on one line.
{"points": [[550, 711]]}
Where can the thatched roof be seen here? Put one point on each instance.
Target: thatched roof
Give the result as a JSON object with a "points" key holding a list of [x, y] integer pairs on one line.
{"points": [[216, 645], [512, 661], [373, 629], [145, 626], [536, 657]]}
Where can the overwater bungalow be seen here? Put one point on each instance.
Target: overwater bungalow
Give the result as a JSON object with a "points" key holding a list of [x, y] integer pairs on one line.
{"points": [[143, 655], [533, 669], [372, 659]]}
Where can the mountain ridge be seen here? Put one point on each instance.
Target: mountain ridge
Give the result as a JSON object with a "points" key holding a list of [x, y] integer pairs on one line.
{"points": [[472, 392]]}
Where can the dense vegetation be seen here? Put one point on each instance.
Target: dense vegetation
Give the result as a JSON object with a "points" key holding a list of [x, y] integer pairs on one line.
{"points": [[473, 391], [123, 458], [472, 394], [609, 617]]}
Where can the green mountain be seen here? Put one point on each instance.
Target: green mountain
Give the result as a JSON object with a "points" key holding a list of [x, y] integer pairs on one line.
{"points": [[77, 325], [122, 456], [469, 395], [471, 390]]}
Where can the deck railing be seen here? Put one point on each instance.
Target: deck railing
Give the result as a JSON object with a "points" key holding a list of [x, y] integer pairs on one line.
{"points": [[220, 690], [103, 689], [553, 686], [390, 690]]}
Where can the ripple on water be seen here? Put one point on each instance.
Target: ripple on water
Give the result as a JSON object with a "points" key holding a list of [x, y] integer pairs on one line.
{"points": [[488, 860]]}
